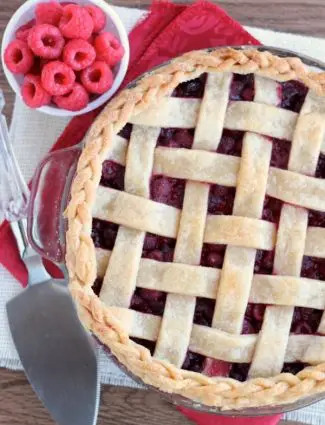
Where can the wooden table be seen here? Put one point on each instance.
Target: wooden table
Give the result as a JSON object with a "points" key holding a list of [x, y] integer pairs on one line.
{"points": [[18, 403]]}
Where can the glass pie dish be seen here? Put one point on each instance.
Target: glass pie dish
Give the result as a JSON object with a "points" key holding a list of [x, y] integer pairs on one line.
{"points": [[47, 229]]}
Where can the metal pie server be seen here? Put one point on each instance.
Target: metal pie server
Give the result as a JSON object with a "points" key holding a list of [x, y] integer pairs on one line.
{"points": [[58, 356]]}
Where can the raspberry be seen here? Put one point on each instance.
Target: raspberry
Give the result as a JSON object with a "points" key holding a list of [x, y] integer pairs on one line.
{"points": [[46, 41], [48, 13], [33, 93], [77, 99], [97, 78], [91, 39], [78, 54], [36, 68], [18, 57], [23, 31], [98, 17], [57, 78], [43, 62], [76, 22], [108, 48]]}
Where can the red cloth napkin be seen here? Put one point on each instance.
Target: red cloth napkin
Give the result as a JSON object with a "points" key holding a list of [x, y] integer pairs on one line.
{"points": [[166, 32], [210, 419]]}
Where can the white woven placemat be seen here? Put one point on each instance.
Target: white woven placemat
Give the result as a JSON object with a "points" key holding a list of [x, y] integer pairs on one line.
{"points": [[33, 134]]}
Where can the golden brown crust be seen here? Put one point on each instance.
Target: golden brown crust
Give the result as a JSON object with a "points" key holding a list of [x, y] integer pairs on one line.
{"points": [[225, 393]]}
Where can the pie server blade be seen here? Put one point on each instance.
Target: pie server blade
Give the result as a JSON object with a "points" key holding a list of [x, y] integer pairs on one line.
{"points": [[58, 356]]}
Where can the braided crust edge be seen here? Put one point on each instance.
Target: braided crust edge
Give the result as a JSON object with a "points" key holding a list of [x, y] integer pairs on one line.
{"points": [[225, 393]]}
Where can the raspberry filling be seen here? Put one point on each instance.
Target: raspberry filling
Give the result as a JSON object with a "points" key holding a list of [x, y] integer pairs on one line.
{"points": [[148, 301], [158, 248], [167, 190], [320, 170], [170, 191], [292, 94], [280, 153], [231, 142], [104, 234], [112, 175], [193, 88], [176, 138], [242, 87]]}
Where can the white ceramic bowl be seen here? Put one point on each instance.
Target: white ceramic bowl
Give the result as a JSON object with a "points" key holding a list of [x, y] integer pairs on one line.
{"points": [[113, 24]]}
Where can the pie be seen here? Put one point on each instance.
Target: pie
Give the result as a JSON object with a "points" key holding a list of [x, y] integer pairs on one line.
{"points": [[196, 236]]}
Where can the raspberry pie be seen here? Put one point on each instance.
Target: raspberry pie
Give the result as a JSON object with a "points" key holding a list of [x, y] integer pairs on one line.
{"points": [[196, 241]]}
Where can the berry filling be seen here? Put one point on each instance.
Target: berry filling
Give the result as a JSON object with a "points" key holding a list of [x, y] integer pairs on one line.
{"points": [[104, 234], [242, 87], [193, 362], [112, 175], [316, 218], [239, 371], [293, 368], [253, 320], [212, 255], [231, 142], [193, 88], [264, 262], [292, 95], [167, 190], [158, 248], [97, 286], [150, 345], [280, 153], [313, 268], [126, 131], [148, 301], [176, 138], [320, 170], [204, 309], [170, 191], [306, 321], [272, 209], [221, 200]]}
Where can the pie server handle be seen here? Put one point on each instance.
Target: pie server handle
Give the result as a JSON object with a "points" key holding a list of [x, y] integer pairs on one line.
{"points": [[48, 199]]}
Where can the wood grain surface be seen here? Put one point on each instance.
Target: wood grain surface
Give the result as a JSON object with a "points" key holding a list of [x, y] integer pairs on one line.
{"points": [[123, 406], [119, 406]]}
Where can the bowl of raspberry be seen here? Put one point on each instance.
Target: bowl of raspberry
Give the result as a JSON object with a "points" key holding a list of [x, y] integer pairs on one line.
{"points": [[65, 58]]}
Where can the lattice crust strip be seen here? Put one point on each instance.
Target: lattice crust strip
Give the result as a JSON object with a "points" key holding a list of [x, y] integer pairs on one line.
{"points": [[173, 341], [218, 344], [203, 282], [290, 246], [148, 107]]}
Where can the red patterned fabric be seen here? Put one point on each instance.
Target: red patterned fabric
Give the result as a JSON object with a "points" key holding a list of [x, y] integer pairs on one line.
{"points": [[209, 419]]}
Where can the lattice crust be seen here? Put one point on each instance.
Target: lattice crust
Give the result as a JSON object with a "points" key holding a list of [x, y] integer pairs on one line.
{"points": [[148, 106]]}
